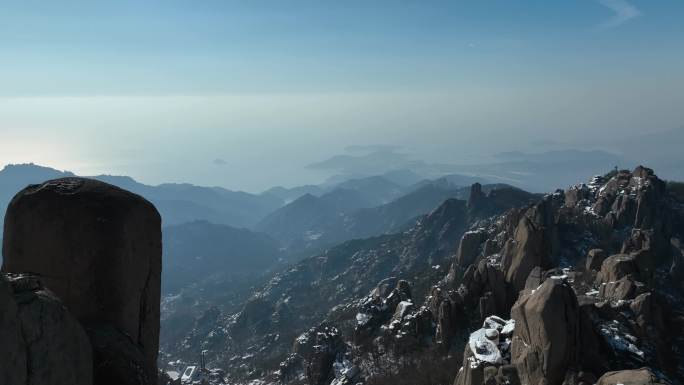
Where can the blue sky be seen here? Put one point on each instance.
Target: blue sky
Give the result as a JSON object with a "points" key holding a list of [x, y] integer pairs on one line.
{"points": [[159, 89]]}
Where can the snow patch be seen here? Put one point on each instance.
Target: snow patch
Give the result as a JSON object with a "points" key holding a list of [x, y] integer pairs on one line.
{"points": [[362, 318], [402, 308], [491, 343], [620, 340]]}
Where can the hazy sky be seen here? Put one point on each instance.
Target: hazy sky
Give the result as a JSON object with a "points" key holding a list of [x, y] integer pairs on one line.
{"points": [[160, 90]]}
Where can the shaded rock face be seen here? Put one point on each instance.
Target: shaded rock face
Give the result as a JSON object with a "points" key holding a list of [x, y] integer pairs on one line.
{"points": [[98, 248], [546, 338], [42, 343], [595, 259], [13, 347], [620, 290], [528, 249], [469, 248], [534, 241], [319, 348], [484, 287], [616, 267], [449, 317]]}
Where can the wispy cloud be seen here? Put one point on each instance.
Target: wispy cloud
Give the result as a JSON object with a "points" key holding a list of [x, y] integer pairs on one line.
{"points": [[623, 12]]}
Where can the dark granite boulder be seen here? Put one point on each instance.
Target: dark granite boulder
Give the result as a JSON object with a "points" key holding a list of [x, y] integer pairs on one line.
{"points": [[98, 248]]}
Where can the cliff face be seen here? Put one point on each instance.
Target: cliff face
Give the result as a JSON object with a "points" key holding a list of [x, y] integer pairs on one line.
{"points": [[94, 251]]}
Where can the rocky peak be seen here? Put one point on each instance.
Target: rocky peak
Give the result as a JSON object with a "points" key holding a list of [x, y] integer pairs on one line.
{"points": [[476, 195]]}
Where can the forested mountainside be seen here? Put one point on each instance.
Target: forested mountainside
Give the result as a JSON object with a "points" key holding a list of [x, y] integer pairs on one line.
{"points": [[575, 287]]}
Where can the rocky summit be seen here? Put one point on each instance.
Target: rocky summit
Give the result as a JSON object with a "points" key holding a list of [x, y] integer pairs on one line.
{"points": [[581, 286]]}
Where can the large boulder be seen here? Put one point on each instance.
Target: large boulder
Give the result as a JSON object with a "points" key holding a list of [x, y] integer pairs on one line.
{"points": [[42, 344], [616, 267], [623, 289], [547, 333], [529, 248], [98, 248], [535, 279], [469, 247], [643, 376], [648, 313], [595, 259]]}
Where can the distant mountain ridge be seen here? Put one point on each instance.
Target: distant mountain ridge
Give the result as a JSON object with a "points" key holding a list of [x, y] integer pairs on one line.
{"points": [[177, 203], [312, 223]]}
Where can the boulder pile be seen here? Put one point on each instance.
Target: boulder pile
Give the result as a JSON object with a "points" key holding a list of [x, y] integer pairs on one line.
{"points": [[596, 271]]}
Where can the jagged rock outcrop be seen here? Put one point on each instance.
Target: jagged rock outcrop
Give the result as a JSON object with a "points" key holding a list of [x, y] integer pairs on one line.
{"points": [[643, 376], [390, 300], [395, 317], [41, 342], [98, 248], [529, 248], [614, 245], [485, 288], [447, 311], [546, 341], [481, 205], [320, 348], [534, 241]]}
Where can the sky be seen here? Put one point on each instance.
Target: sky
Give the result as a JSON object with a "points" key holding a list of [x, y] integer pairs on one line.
{"points": [[245, 94]]}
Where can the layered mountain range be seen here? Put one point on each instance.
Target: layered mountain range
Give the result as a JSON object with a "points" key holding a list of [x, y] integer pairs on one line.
{"points": [[300, 220], [371, 281], [579, 286]]}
